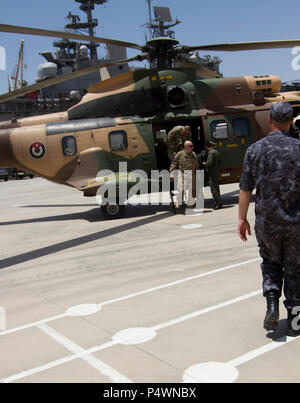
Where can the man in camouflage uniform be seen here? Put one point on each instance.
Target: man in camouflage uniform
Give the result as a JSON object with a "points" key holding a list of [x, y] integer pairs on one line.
{"points": [[272, 166], [176, 139], [212, 166], [186, 162]]}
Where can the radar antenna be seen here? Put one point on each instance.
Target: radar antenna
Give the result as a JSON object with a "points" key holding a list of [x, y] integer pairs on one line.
{"points": [[160, 26]]}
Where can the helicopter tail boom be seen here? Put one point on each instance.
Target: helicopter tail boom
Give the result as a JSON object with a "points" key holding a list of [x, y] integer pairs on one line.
{"points": [[34, 120]]}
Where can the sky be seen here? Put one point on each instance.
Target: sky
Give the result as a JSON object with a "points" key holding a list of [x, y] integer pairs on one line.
{"points": [[203, 23]]}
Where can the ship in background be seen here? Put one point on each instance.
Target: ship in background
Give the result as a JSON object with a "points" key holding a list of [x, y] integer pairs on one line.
{"points": [[293, 85], [68, 56], [71, 55]]}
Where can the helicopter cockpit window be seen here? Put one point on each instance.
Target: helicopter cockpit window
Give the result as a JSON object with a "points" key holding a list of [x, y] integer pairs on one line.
{"points": [[219, 129], [118, 140], [69, 146], [241, 127]]}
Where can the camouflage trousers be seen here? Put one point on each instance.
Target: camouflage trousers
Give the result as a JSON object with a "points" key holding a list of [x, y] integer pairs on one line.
{"points": [[186, 188], [215, 189], [281, 264]]}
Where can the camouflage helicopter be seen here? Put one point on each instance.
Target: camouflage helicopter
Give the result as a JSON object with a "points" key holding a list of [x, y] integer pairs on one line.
{"points": [[118, 119]]}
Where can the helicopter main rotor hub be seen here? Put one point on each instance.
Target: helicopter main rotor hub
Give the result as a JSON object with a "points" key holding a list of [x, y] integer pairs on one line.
{"points": [[161, 52]]}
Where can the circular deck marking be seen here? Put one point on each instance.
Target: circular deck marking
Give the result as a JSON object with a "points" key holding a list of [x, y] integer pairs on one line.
{"points": [[211, 372], [135, 335], [192, 226], [83, 310], [193, 213]]}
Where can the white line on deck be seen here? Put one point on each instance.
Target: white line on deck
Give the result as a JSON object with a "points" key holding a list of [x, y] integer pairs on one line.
{"points": [[174, 283], [133, 295], [207, 310], [78, 352], [29, 325], [262, 350], [212, 372]]}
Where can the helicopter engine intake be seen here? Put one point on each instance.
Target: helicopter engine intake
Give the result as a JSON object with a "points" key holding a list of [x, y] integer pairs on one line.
{"points": [[177, 96]]}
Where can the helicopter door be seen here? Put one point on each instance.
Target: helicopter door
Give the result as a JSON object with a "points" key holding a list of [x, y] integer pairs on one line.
{"points": [[200, 139], [232, 135]]}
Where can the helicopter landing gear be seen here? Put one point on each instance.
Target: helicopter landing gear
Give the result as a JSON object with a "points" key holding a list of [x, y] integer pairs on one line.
{"points": [[112, 211]]}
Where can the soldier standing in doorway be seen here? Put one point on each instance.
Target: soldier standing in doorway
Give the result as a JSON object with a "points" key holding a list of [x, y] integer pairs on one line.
{"points": [[176, 139], [212, 166]]}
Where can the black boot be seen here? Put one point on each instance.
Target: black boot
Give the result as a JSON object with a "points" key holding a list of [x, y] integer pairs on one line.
{"points": [[293, 322], [179, 209], [272, 315]]}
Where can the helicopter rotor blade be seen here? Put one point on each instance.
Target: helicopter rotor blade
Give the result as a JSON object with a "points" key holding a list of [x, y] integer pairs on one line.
{"points": [[242, 46], [60, 79], [205, 72], [65, 35], [202, 70]]}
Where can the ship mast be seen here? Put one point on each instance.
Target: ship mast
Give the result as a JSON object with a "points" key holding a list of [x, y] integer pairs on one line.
{"points": [[150, 17], [87, 6], [16, 81]]}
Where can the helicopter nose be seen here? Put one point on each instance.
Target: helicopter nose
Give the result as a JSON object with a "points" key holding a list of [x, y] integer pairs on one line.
{"points": [[7, 159]]}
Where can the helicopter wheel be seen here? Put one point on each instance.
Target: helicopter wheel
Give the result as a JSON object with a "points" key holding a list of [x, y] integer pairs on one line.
{"points": [[112, 211]]}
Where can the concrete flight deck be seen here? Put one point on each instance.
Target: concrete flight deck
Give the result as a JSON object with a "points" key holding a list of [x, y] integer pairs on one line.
{"points": [[150, 298]]}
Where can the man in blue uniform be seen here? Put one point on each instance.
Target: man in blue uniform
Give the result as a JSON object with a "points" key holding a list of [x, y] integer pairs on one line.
{"points": [[272, 166]]}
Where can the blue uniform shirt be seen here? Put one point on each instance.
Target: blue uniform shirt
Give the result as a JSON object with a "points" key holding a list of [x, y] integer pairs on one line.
{"points": [[272, 166]]}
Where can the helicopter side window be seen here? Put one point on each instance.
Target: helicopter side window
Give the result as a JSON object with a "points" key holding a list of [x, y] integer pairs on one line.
{"points": [[118, 140], [219, 129], [69, 146], [241, 127]]}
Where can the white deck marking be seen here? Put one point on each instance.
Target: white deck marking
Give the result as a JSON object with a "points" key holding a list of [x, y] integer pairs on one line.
{"points": [[29, 325], [83, 310], [133, 295], [262, 350], [57, 363], [37, 370], [74, 348], [211, 372], [78, 352], [192, 226], [177, 282], [142, 335], [135, 335], [206, 310]]}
